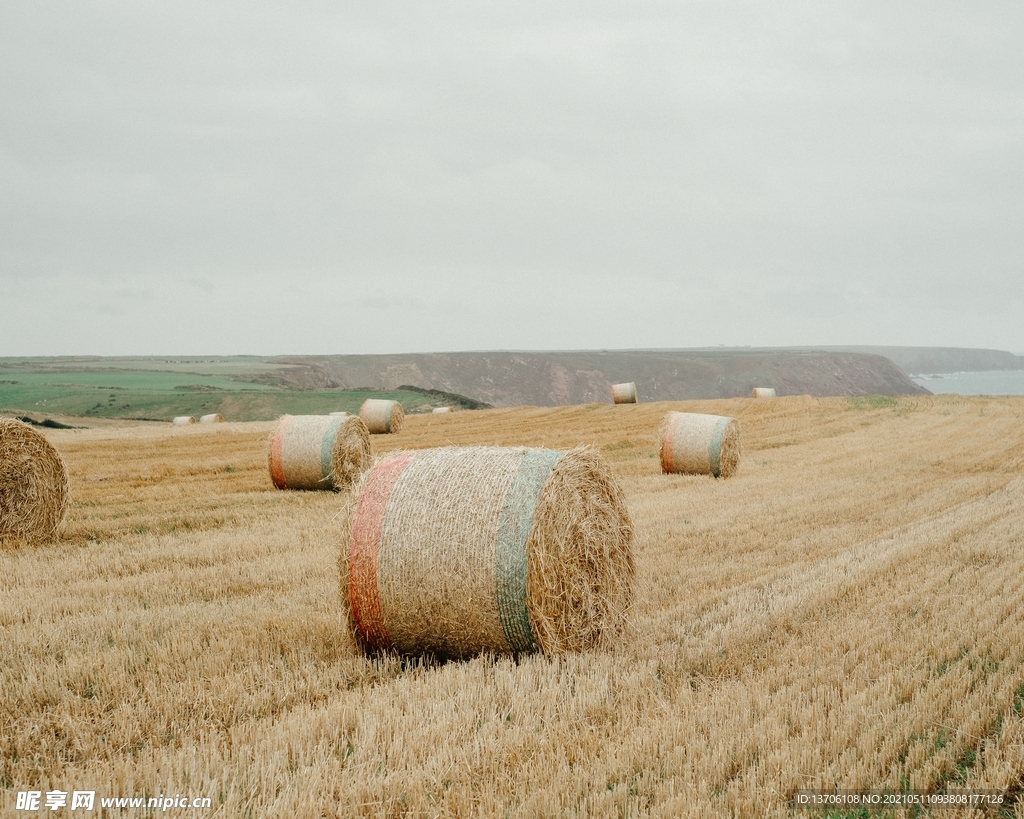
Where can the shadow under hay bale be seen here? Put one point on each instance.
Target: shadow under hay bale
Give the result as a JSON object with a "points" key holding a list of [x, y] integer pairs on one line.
{"points": [[624, 393], [183, 420], [212, 418], [463, 550], [697, 444], [34, 486], [381, 416], [762, 392], [318, 452]]}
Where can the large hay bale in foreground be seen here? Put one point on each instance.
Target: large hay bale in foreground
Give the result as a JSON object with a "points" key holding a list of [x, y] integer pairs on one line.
{"points": [[212, 418], [382, 416], [696, 444], [34, 487], [318, 451], [624, 393], [762, 392], [183, 420], [458, 551]]}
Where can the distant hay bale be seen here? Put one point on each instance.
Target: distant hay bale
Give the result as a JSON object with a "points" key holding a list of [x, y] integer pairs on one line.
{"points": [[34, 487], [318, 452], [212, 418], [624, 393], [440, 410], [458, 551], [340, 413], [182, 420], [763, 392], [382, 416], [697, 444]]}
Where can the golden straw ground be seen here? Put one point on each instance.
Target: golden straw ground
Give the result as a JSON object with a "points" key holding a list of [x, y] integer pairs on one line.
{"points": [[34, 488], [846, 610]]}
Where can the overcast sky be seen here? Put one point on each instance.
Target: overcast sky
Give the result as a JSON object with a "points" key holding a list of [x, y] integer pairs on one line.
{"points": [[307, 177]]}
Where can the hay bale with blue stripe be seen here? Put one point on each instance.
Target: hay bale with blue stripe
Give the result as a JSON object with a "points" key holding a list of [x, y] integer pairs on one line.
{"points": [[319, 452], [624, 393], [382, 416], [459, 551], [693, 443]]}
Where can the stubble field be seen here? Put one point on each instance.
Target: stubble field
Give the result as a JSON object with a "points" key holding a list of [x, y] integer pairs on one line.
{"points": [[846, 612]]}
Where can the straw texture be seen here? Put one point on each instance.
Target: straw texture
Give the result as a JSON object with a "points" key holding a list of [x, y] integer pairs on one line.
{"points": [[458, 551], [212, 418], [697, 444], [624, 393], [762, 392], [382, 416], [318, 451], [34, 487], [182, 420]]}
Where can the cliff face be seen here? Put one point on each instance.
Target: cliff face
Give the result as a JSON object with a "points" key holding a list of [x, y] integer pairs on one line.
{"points": [[928, 360], [555, 378]]}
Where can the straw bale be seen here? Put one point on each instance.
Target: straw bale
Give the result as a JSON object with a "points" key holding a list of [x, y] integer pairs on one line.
{"points": [[698, 444], [34, 487], [338, 413], [463, 550], [382, 416], [318, 451], [440, 410], [212, 418], [182, 420], [762, 392], [624, 393]]}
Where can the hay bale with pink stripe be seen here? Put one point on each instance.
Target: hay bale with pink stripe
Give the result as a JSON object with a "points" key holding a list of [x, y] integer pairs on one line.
{"points": [[463, 550], [624, 393], [693, 443], [318, 452], [381, 416]]}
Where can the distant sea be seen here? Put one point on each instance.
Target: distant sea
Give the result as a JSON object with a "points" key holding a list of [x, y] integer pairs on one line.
{"points": [[993, 382]]}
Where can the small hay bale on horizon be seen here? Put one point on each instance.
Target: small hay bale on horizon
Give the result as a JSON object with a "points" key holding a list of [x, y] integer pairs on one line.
{"points": [[463, 550], [339, 414], [318, 452], [183, 420], [693, 443], [441, 410], [624, 393], [211, 418], [763, 392], [34, 485], [382, 416]]}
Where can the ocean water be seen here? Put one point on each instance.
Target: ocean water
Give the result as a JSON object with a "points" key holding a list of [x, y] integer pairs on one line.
{"points": [[994, 382]]}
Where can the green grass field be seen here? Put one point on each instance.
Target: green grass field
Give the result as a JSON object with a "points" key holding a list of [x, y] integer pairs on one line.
{"points": [[157, 389]]}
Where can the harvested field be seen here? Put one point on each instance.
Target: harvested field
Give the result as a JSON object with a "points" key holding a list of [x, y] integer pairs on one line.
{"points": [[846, 611]]}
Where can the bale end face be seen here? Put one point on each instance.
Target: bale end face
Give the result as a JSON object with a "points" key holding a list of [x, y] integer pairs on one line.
{"points": [[458, 551], [624, 393], [699, 444], [34, 485]]}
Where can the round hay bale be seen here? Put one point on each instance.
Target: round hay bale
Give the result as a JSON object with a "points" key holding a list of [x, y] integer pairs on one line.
{"points": [[440, 410], [182, 420], [318, 452], [463, 550], [212, 418], [696, 444], [624, 393], [34, 487], [762, 392], [339, 414], [382, 416]]}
